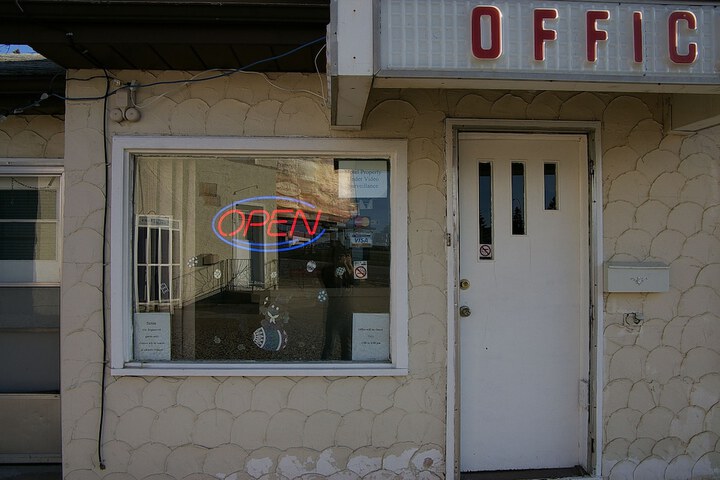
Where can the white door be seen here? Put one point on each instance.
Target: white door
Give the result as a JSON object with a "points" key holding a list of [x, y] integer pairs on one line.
{"points": [[524, 348]]}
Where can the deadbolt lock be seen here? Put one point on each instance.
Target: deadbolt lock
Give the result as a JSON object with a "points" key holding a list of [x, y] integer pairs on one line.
{"points": [[465, 311], [464, 284]]}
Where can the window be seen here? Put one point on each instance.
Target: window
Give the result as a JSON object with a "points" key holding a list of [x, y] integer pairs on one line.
{"points": [[259, 256], [518, 198], [485, 221], [550, 186], [30, 231]]}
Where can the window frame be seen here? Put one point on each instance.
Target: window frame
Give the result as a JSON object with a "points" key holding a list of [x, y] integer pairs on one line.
{"points": [[124, 148]]}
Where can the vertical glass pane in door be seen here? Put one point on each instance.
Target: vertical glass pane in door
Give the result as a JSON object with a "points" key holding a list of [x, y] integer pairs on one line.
{"points": [[518, 198], [550, 173], [485, 210]]}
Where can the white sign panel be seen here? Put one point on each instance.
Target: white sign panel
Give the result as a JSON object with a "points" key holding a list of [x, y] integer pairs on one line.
{"points": [[361, 240], [152, 336], [362, 179], [551, 40], [360, 270], [371, 337]]}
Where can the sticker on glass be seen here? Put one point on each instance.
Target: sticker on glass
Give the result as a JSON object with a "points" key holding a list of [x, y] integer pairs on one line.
{"points": [[360, 270]]}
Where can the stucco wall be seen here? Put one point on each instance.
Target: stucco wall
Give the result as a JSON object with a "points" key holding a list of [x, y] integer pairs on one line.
{"points": [[32, 137], [661, 202]]}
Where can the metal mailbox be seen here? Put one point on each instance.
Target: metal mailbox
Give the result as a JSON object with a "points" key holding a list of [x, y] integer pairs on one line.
{"points": [[637, 277]]}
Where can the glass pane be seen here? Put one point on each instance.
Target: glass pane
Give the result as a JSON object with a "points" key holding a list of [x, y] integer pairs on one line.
{"points": [[164, 283], [141, 248], [164, 246], [28, 241], [32, 360], [551, 186], [154, 246], [141, 279], [29, 307], [518, 198], [30, 339], [485, 209], [28, 198], [175, 247], [288, 261]]}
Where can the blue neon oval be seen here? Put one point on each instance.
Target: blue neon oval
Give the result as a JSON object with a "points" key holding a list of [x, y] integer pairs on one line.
{"points": [[284, 246]]}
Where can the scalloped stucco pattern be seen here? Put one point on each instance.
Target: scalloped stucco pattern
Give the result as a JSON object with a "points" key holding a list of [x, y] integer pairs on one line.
{"points": [[32, 136], [662, 378]]}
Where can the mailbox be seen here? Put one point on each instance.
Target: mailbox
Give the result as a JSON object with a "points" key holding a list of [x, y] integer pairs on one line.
{"points": [[637, 277]]}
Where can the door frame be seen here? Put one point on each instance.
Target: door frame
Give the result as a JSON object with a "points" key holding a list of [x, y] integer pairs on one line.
{"points": [[591, 130]]}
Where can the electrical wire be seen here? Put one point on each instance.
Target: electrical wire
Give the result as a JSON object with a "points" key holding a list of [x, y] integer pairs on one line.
{"points": [[108, 93], [224, 73], [103, 273], [320, 77]]}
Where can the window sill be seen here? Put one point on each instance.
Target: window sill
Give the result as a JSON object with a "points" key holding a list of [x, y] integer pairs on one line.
{"points": [[258, 370]]}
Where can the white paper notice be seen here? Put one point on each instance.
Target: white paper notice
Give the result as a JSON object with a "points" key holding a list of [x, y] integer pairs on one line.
{"points": [[371, 337], [152, 336], [362, 179]]}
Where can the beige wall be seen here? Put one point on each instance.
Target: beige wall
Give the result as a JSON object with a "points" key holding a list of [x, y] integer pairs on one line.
{"points": [[32, 137], [661, 199]]}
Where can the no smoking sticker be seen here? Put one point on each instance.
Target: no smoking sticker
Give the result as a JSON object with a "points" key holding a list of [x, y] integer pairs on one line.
{"points": [[360, 271], [485, 251]]}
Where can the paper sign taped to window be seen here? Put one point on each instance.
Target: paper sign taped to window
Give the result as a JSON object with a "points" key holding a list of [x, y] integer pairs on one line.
{"points": [[362, 179], [152, 336], [371, 337]]}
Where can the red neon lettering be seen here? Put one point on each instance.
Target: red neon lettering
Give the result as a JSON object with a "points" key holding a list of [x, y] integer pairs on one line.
{"points": [[673, 21], [223, 216], [309, 230], [277, 221], [495, 49], [543, 34], [593, 34], [250, 223], [637, 37]]}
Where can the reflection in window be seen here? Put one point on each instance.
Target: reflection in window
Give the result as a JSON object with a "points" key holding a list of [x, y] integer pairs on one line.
{"points": [[485, 210], [29, 283], [28, 218], [261, 259], [518, 198], [550, 171]]}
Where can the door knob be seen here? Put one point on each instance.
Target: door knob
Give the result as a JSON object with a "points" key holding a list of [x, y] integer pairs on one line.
{"points": [[465, 311]]}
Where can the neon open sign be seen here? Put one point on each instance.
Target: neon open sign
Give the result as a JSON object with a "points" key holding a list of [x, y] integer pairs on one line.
{"points": [[284, 228]]}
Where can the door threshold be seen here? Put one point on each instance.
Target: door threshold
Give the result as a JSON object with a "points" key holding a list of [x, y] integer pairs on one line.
{"points": [[534, 474]]}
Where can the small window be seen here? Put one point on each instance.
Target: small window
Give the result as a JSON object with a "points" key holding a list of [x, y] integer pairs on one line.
{"points": [[550, 171], [518, 198], [485, 221], [264, 260]]}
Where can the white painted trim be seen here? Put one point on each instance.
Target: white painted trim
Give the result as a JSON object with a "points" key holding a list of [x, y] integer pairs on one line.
{"points": [[41, 163], [267, 370], [592, 130], [452, 445], [597, 299], [124, 147]]}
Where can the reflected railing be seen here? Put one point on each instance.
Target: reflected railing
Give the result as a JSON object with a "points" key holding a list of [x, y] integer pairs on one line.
{"points": [[236, 275]]}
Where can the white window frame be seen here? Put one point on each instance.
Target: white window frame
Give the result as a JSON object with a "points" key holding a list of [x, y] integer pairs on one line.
{"points": [[46, 272], [124, 148]]}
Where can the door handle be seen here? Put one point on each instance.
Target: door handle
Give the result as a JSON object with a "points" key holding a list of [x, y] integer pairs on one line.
{"points": [[465, 311]]}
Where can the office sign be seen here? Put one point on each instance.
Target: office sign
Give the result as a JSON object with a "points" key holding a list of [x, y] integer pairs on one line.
{"points": [[560, 40]]}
